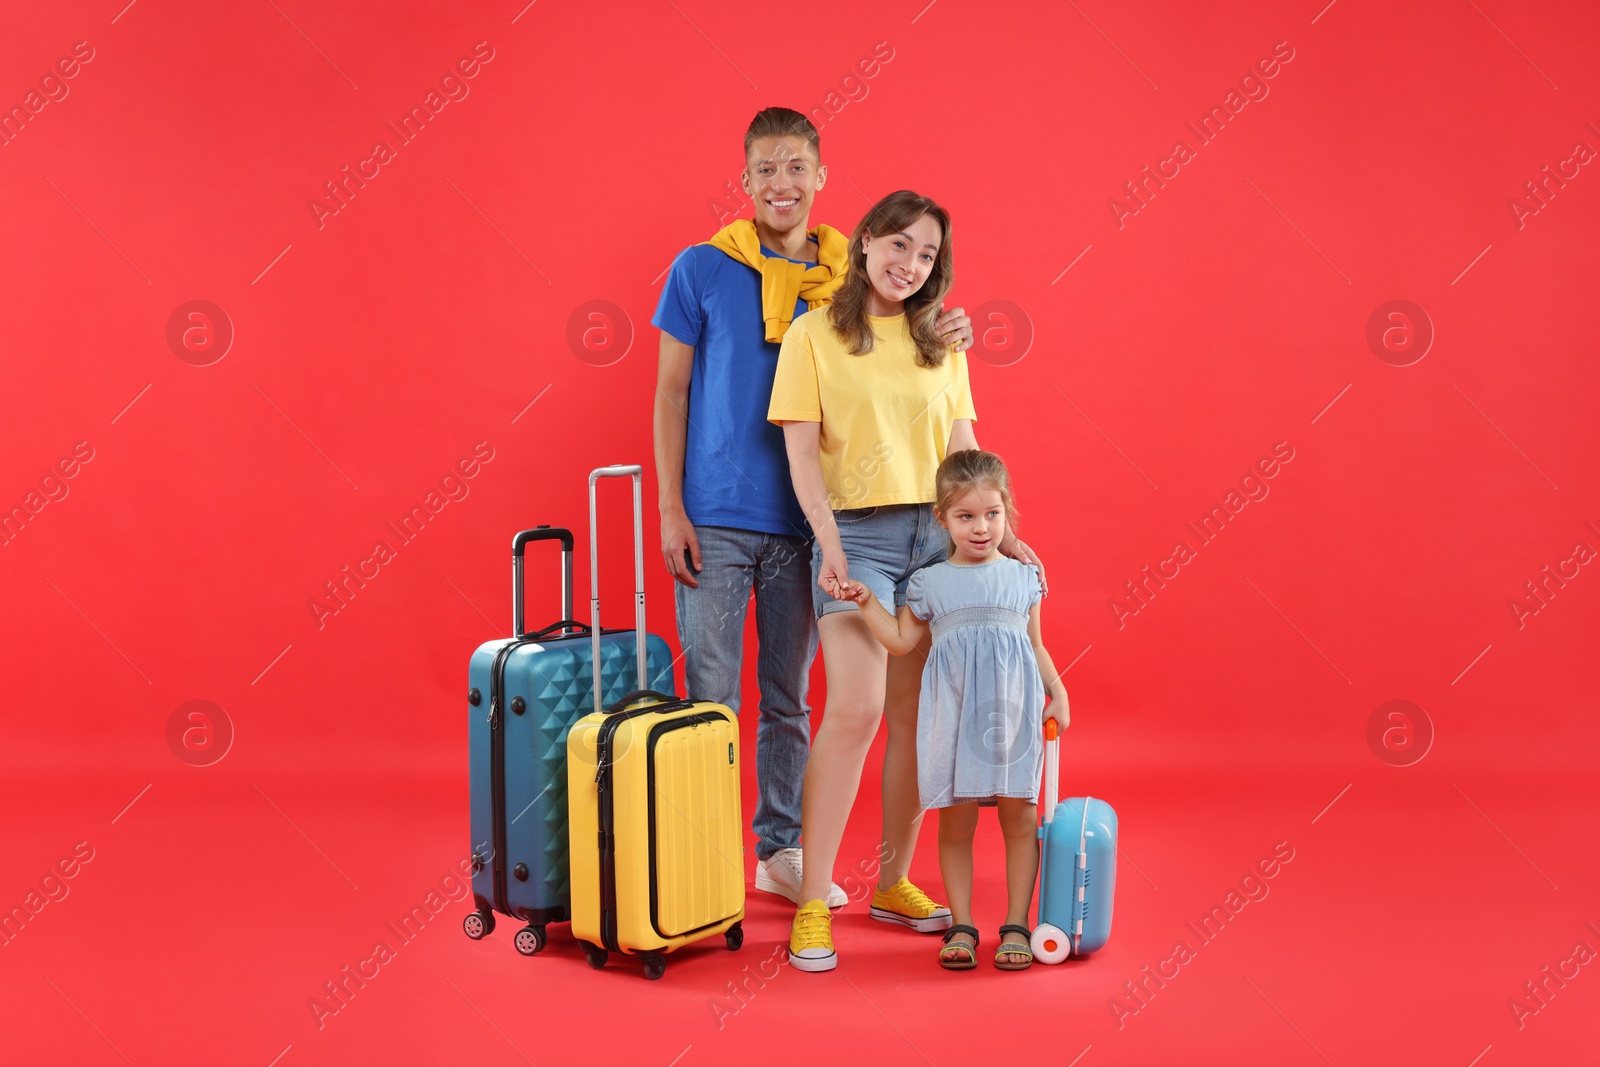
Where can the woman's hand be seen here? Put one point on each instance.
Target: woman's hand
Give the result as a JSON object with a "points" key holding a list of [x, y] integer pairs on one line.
{"points": [[834, 575], [1020, 552], [955, 327]]}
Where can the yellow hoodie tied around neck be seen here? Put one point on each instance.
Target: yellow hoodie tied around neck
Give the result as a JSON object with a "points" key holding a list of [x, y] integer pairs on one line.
{"points": [[783, 281]]}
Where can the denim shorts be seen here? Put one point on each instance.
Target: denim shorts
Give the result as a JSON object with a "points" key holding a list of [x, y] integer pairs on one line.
{"points": [[883, 547]]}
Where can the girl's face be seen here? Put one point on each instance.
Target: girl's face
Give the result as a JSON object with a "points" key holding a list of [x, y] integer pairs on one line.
{"points": [[899, 263], [977, 524]]}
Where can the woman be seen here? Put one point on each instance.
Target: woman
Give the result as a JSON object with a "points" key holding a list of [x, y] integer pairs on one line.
{"points": [[871, 399]]}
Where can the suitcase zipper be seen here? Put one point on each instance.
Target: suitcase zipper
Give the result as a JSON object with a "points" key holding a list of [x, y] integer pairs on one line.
{"points": [[497, 772], [607, 818], [497, 760], [497, 767]]}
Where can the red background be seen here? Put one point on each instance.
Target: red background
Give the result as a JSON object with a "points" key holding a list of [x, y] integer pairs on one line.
{"points": [[374, 351]]}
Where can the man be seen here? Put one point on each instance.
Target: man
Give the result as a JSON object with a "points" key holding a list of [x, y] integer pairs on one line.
{"points": [[730, 523]]}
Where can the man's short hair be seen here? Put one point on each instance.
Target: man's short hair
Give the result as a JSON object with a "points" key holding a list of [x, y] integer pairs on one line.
{"points": [[782, 122]]}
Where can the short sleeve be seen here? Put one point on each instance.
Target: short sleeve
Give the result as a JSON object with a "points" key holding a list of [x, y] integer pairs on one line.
{"points": [[796, 392], [1035, 586], [963, 390], [680, 312], [917, 595]]}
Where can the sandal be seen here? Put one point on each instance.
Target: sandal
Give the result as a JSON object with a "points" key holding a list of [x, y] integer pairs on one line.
{"points": [[959, 963], [1010, 948]]}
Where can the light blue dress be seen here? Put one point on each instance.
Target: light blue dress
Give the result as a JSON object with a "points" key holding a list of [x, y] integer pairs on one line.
{"points": [[981, 713]]}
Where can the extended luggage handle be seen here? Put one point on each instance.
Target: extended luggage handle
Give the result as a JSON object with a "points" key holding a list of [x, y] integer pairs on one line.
{"points": [[518, 544], [1052, 767], [634, 471]]}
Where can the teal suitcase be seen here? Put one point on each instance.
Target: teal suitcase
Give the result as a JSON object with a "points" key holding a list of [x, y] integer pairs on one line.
{"points": [[523, 695]]}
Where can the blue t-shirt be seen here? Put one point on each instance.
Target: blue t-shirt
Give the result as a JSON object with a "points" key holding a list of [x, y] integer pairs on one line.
{"points": [[735, 467]]}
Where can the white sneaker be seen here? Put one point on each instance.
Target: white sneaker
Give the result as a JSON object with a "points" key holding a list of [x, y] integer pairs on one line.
{"points": [[780, 873]]}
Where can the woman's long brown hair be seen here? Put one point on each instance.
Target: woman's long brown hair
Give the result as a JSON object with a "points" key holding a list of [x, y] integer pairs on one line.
{"points": [[848, 312]]}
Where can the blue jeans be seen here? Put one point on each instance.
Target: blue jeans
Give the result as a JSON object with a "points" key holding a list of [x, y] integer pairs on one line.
{"points": [[733, 564]]}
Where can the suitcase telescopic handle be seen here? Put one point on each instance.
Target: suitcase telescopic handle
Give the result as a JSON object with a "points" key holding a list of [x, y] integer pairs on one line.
{"points": [[518, 544], [1052, 767], [636, 472]]}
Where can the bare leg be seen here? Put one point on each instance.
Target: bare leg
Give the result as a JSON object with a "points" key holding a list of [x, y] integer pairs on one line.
{"points": [[1019, 822], [902, 810], [957, 825], [854, 663]]}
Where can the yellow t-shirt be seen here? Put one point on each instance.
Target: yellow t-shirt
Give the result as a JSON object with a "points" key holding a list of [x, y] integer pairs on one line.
{"points": [[885, 421]]}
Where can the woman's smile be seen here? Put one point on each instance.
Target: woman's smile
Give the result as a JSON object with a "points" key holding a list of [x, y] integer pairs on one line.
{"points": [[899, 263]]}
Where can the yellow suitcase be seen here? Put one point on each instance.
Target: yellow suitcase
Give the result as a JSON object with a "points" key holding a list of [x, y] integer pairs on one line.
{"points": [[655, 825], [656, 828]]}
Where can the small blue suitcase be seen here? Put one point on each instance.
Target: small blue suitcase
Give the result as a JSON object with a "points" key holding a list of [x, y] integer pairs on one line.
{"points": [[524, 693], [1077, 867]]}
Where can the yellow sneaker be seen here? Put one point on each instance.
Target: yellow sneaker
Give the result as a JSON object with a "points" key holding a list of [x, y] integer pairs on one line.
{"points": [[811, 938], [907, 905]]}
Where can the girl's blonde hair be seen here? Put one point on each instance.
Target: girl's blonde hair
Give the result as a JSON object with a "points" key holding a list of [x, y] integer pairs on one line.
{"points": [[973, 468]]}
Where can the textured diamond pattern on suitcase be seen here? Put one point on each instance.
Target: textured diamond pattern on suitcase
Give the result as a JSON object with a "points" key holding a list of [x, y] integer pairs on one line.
{"points": [[561, 691], [553, 677], [558, 698]]}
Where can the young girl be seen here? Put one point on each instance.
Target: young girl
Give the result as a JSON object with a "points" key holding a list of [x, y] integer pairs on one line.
{"points": [[982, 703]]}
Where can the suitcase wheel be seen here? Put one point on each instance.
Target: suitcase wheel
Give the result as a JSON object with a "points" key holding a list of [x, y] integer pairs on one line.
{"points": [[529, 940], [734, 936], [478, 925], [595, 955], [1050, 944], [654, 966]]}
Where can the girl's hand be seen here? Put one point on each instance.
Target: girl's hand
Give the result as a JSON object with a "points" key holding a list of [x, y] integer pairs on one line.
{"points": [[834, 574], [855, 592], [1058, 708]]}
